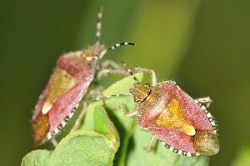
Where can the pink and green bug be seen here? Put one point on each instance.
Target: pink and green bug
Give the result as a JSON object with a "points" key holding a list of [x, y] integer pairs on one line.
{"points": [[67, 86], [183, 124]]}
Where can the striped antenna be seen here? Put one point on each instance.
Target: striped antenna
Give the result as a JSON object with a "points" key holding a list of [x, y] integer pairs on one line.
{"points": [[141, 69], [107, 97], [98, 26], [129, 70], [121, 44]]}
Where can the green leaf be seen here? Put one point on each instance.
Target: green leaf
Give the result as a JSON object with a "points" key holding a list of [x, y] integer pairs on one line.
{"points": [[100, 121], [83, 148], [36, 157], [105, 126], [78, 148]]}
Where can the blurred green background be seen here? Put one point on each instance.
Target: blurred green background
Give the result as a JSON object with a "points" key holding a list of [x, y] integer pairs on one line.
{"points": [[202, 45]]}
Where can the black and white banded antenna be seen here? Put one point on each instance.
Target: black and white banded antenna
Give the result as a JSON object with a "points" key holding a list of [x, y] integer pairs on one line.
{"points": [[108, 97], [98, 32], [98, 26], [121, 44], [129, 71]]}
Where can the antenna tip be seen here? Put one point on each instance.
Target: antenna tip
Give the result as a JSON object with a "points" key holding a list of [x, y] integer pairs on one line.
{"points": [[130, 43]]}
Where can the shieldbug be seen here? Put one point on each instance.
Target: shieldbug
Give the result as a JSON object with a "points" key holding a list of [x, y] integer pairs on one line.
{"points": [[183, 124], [67, 85]]}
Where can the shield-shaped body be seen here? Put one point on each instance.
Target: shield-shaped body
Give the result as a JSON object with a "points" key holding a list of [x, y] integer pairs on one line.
{"points": [[180, 122], [66, 87]]}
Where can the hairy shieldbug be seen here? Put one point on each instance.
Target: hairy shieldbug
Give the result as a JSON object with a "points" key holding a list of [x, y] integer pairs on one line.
{"points": [[67, 85], [181, 123]]}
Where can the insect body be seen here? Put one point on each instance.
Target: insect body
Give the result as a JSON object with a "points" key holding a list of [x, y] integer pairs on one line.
{"points": [[67, 86], [180, 122]]}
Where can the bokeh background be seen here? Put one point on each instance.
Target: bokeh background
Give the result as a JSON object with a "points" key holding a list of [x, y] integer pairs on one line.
{"points": [[202, 45]]}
